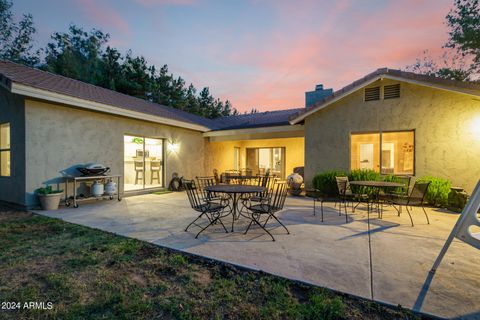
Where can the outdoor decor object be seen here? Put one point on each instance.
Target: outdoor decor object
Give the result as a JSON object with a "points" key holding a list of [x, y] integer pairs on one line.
{"points": [[97, 189], [110, 187], [295, 182], [49, 199], [457, 198], [93, 169], [176, 184]]}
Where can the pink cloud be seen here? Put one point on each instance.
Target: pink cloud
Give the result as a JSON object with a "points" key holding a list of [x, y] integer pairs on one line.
{"points": [[342, 47], [104, 16]]}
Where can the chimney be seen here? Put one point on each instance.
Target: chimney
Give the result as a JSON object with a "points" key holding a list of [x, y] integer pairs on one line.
{"points": [[312, 97]]}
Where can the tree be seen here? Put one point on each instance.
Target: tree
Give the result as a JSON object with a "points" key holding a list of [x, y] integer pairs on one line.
{"points": [[76, 54], [464, 34], [16, 39], [463, 21], [86, 56]]}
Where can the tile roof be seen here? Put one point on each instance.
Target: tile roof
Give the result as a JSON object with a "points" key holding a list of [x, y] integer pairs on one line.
{"points": [[462, 86], [255, 120], [74, 88]]}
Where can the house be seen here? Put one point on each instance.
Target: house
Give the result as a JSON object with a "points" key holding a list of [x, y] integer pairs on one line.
{"points": [[51, 124], [396, 122], [390, 121]]}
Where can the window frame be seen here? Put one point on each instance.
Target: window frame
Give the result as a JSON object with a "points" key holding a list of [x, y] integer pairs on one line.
{"points": [[381, 132], [9, 150]]}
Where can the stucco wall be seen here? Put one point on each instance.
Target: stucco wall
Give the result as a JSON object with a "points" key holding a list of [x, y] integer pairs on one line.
{"points": [[446, 124], [219, 155], [12, 189], [60, 137]]}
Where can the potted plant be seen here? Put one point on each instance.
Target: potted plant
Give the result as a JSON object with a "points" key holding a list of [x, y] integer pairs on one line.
{"points": [[49, 199]]}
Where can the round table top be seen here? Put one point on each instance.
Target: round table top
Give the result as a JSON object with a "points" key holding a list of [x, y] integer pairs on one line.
{"points": [[379, 184], [235, 188]]}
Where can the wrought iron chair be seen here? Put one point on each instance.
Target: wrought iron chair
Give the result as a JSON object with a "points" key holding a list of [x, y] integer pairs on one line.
{"points": [[202, 183], [347, 195], [269, 208], [318, 197], [415, 198], [210, 210]]}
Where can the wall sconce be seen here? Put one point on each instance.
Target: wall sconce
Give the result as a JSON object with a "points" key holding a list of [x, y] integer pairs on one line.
{"points": [[173, 146]]}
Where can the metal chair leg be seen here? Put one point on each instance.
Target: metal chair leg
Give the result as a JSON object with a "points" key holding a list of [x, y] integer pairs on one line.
{"points": [[288, 232], [426, 215], [193, 222], [408, 211], [321, 208]]}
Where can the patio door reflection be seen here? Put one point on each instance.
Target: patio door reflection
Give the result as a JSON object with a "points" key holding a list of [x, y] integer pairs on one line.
{"points": [[143, 163], [259, 160]]}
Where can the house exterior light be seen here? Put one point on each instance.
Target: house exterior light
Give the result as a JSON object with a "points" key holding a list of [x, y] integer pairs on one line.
{"points": [[173, 146]]}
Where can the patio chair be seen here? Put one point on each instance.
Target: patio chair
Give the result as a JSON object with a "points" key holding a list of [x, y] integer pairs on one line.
{"points": [[203, 182], [346, 195], [269, 208], [210, 210], [415, 198], [324, 198]]}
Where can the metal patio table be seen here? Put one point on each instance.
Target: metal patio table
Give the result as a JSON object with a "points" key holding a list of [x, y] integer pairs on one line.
{"points": [[377, 186], [235, 191]]}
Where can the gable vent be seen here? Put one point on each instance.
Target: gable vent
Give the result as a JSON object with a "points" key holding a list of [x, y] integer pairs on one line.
{"points": [[391, 91], [372, 94]]}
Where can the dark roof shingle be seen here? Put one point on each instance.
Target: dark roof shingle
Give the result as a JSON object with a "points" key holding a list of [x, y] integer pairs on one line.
{"points": [[255, 120], [74, 88]]}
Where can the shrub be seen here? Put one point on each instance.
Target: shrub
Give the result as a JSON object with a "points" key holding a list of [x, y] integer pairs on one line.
{"points": [[438, 190], [325, 182], [363, 175]]}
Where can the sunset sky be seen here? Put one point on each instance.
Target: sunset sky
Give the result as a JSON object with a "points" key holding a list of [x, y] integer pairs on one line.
{"points": [[258, 53]]}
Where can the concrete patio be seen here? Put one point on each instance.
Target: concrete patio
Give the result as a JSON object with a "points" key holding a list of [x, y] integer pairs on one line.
{"points": [[331, 254]]}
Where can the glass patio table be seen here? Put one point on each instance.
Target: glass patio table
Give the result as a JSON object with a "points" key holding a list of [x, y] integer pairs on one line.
{"points": [[235, 191]]}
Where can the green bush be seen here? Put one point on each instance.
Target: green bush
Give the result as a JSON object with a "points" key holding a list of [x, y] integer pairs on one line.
{"points": [[363, 175], [438, 190], [325, 182]]}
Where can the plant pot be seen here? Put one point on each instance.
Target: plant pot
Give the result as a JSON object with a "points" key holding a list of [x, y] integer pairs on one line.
{"points": [[50, 201]]}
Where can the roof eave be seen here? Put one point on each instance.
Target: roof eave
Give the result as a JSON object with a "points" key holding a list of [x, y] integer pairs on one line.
{"points": [[50, 96]]}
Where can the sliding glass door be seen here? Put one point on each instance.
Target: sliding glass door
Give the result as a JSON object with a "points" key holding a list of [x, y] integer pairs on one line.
{"points": [[143, 163], [259, 160]]}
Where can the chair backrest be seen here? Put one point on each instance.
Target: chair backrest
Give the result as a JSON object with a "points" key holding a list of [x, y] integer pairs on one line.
{"points": [[417, 196], [203, 182], [193, 194], [155, 165], [278, 195], [405, 180], [138, 165], [342, 185]]}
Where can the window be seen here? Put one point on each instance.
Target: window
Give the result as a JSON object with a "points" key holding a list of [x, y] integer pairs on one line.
{"points": [[5, 150], [387, 152], [143, 163], [259, 160], [391, 91], [236, 158], [372, 94]]}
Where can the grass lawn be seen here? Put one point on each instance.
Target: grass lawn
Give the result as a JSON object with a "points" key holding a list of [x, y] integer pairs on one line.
{"points": [[88, 273]]}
